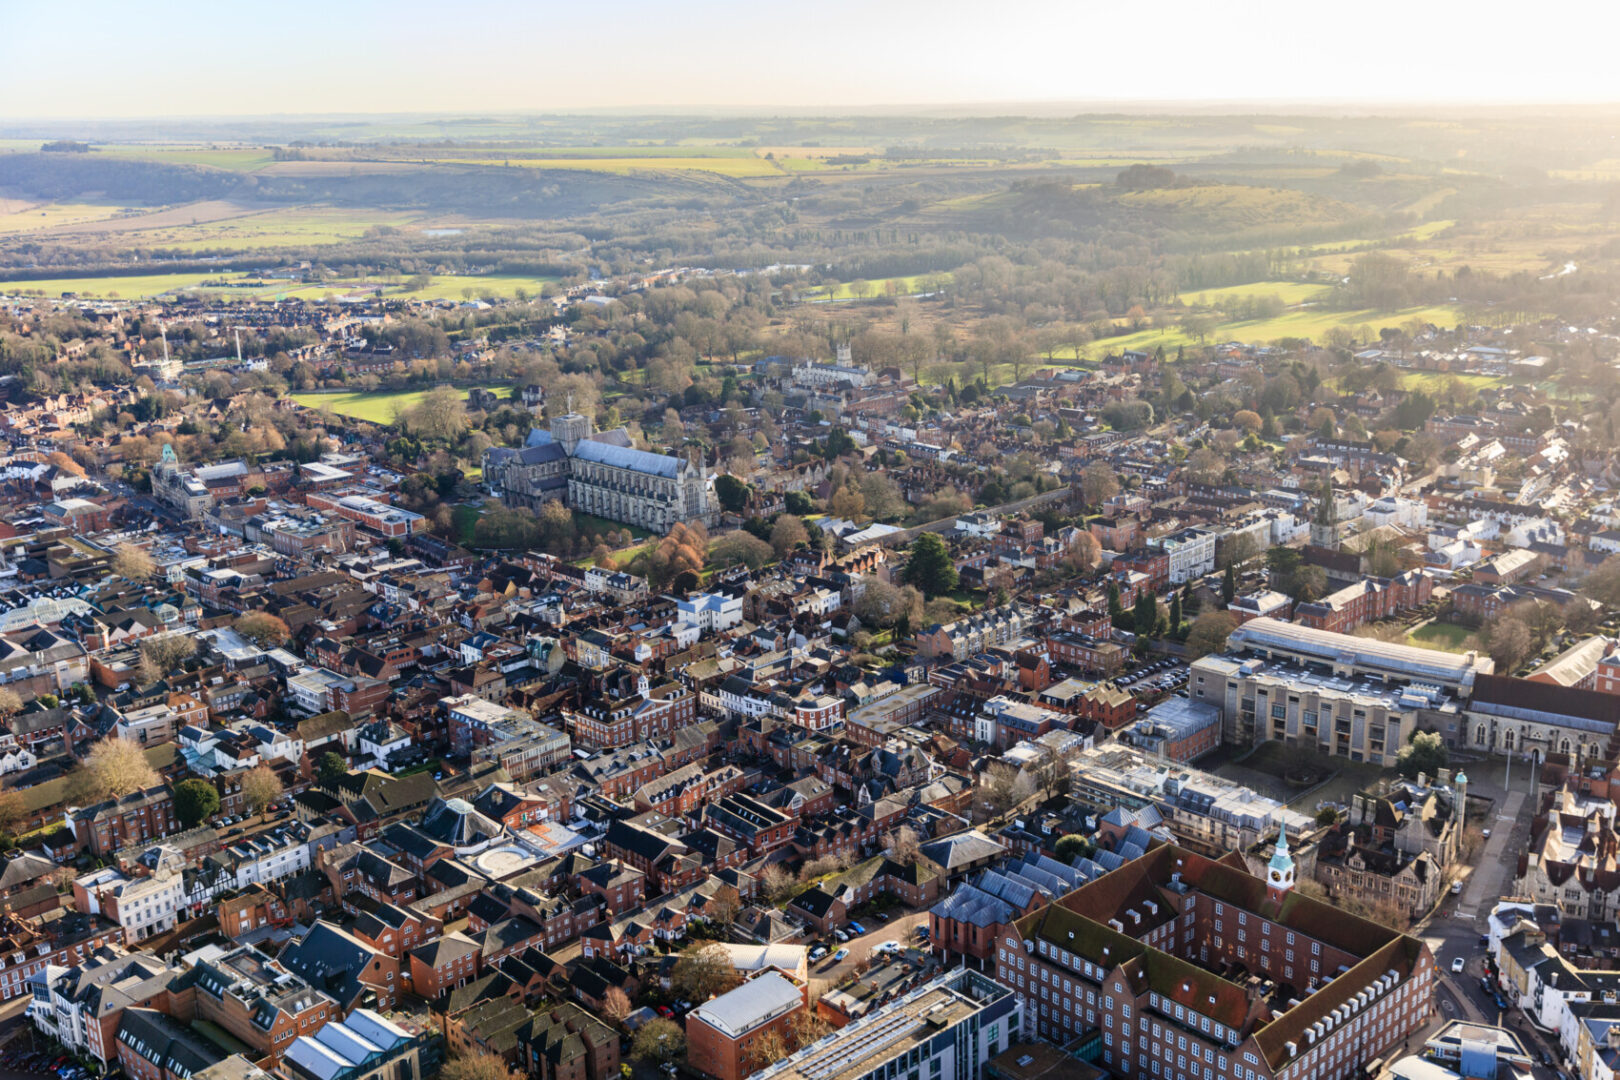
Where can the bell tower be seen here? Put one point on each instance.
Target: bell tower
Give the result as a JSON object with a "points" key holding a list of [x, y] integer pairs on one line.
{"points": [[1280, 871]]}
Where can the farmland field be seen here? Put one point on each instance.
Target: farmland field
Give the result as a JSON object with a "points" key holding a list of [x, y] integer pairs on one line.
{"points": [[1309, 323], [292, 227], [1291, 292], [902, 286], [133, 286], [443, 286], [19, 215], [377, 406], [733, 167]]}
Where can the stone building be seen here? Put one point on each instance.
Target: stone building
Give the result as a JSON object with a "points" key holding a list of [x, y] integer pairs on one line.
{"points": [[600, 473]]}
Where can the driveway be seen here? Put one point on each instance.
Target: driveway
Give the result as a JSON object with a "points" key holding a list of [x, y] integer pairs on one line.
{"points": [[901, 928]]}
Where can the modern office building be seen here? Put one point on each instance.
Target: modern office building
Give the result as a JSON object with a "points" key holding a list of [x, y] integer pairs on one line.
{"points": [[945, 1029], [1350, 696]]}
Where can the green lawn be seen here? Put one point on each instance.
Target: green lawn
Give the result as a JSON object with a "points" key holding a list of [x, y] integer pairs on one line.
{"points": [[377, 406], [464, 519], [1445, 637]]}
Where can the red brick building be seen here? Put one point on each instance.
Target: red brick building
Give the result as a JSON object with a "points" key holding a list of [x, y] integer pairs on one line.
{"points": [[1133, 957], [727, 1037], [1366, 601]]}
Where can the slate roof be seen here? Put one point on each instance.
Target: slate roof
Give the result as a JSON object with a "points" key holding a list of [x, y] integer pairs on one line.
{"points": [[332, 960]]}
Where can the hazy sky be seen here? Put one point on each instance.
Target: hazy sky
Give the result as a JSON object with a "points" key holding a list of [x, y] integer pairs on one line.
{"points": [[155, 58]]}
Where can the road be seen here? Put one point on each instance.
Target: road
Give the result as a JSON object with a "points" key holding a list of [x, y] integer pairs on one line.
{"points": [[1457, 925]]}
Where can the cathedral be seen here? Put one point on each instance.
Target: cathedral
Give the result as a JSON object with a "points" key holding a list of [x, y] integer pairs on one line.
{"points": [[599, 472]]}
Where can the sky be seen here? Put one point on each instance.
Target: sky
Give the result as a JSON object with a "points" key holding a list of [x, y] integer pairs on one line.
{"points": [[63, 58]]}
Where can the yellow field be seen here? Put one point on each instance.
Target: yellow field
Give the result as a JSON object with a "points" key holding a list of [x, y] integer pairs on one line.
{"points": [[18, 216], [734, 167], [897, 286], [1291, 292]]}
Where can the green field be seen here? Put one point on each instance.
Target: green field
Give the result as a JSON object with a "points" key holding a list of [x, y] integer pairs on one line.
{"points": [[1445, 637], [377, 406], [134, 286], [740, 168], [900, 286], [1431, 381], [1311, 323], [235, 159], [293, 227], [443, 286], [1290, 292]]}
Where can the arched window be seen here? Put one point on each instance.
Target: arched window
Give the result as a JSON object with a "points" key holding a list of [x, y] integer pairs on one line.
{"points": [[1507, 740], [1479, 735], [1563, 747]]}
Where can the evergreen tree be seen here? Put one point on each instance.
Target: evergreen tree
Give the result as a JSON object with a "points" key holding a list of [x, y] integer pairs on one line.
{"points": [[930, 567], [1228, 585], [1115, 608], [1146, 613], [1175, 614]]}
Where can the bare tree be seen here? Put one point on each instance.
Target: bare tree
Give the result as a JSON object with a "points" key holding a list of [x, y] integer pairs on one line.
{"points": [[133, 562], [902, 844], [477, 1066], [261, 787], [615, 1004], [1004, 787], [162, 653], [703, 970], [116, 767], [775, 883]]}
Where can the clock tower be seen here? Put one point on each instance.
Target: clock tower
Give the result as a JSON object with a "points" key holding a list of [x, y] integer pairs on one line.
{"points": [[1280, 871]]}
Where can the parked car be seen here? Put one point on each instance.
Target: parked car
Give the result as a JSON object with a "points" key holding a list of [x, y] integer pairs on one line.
{"points": [[839, 955], [817, 953], [882, 916], [857, 928], [886, 948], [841, 936]]}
